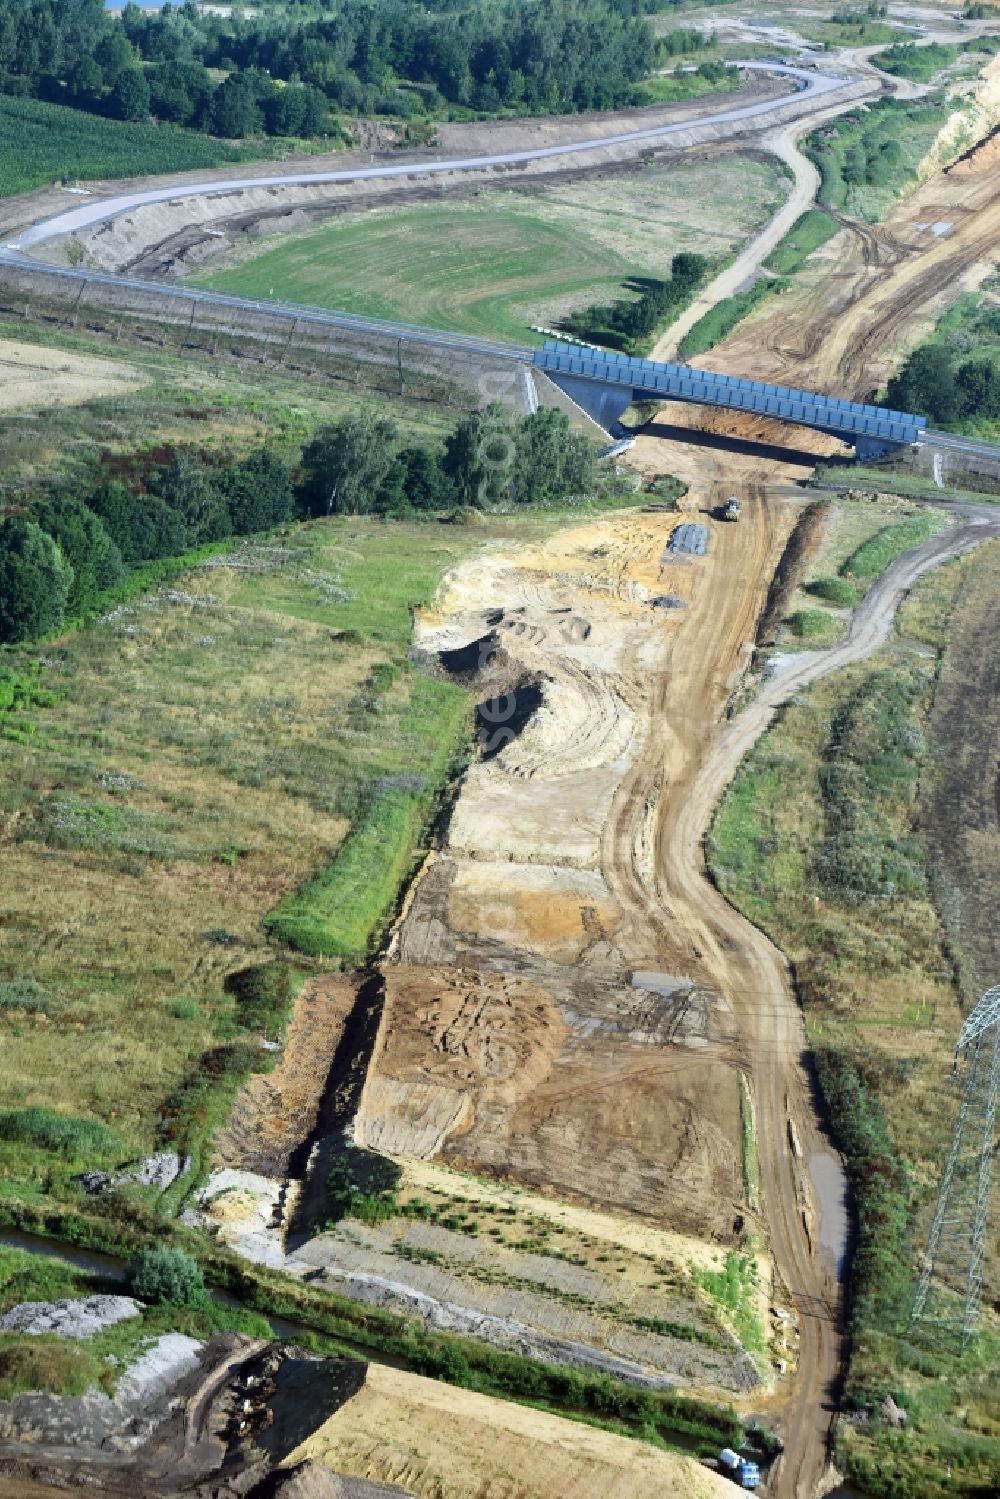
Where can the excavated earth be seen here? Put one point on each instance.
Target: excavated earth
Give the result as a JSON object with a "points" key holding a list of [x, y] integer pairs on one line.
{"points": [[530, 1025], [874, 290]]}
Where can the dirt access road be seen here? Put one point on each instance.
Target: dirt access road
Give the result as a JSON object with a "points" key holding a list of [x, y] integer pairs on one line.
{"points": [[874, 289], [809, 86], [756, 975]]}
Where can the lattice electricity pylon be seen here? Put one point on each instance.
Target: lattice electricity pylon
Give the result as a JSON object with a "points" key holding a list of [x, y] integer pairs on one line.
{"points": [[950, 1288]]}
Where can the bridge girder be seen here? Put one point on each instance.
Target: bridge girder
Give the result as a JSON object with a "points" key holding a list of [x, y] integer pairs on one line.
{"points": [[606, 403]]}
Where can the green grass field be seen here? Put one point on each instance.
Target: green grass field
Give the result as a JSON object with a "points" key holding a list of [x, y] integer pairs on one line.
{"points": [[42, 143], [497, 263], [810, 230]]}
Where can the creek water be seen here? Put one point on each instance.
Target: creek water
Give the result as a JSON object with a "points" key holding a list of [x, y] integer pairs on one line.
{"points": [[110, 1267]]}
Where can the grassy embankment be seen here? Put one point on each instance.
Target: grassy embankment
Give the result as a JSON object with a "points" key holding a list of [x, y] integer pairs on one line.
{"points": [[868, 157], [503, 261], [902, 482], [862, 546], [819, 842]]}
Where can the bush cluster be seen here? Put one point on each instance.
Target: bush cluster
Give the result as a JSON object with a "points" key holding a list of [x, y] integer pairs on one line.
{"points": [[622, 324], [167, 1277], [934, 384], [865, 147], [62, 555]]}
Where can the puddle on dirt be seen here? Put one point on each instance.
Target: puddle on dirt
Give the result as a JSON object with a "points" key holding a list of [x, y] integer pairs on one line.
{"points": [[831, 1191]]}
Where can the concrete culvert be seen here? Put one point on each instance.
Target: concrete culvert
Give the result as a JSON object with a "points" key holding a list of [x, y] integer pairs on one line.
{"points": [[688, 540]]}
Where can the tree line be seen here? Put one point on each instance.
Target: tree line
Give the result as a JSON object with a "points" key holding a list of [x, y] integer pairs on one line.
{"points": [[625, 323], [285, 71], [933, 383], [61, 554]]}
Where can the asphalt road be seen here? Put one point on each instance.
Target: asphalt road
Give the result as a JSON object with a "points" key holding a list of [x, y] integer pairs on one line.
{"points": [[86, 214]]}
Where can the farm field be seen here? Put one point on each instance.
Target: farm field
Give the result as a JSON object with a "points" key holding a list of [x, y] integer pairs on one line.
{"points": [[499, 262], [41, 143]]}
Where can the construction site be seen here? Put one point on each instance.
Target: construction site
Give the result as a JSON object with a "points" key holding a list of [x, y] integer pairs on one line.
{"points": [[585, 1095]]}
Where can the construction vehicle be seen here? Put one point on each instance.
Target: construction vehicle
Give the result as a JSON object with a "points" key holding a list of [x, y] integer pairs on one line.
{"points": [[740, 1469], [731, 510]]}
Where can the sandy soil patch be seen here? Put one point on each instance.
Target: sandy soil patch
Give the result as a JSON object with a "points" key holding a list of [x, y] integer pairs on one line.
{"points": [[446, 1443], [32, 378], [625, 1233], [873, 291], [275, 1113]]}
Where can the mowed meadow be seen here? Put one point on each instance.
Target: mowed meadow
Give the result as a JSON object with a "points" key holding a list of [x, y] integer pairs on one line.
{"points": [[176, 769], [496, 262]]}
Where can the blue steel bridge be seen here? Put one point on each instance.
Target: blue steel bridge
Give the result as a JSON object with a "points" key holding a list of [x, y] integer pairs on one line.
{"points": [[604, 384]]}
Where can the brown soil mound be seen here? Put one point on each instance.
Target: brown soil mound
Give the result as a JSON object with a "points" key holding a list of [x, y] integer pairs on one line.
{"points": [[984, 156]]}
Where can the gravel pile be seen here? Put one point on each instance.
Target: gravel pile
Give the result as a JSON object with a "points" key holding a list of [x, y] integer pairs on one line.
{"points": [[689, 540], [72, 1319]]}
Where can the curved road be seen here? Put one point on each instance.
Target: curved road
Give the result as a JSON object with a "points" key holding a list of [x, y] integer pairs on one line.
{"points": [[750, 965], [87, 214]]}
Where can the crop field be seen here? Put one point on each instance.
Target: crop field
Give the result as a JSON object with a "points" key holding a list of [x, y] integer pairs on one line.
{"points": [[819, 840], [42, 143], [502, 261]]}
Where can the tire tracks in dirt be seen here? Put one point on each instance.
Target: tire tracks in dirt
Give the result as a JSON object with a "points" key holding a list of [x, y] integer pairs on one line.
{"points": [[688, 764]]}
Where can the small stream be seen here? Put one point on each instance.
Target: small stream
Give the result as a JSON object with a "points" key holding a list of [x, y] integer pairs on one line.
{"points": [[111, 1268]]}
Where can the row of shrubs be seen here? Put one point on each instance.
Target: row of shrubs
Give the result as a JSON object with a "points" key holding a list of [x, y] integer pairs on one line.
{"points": [[625, 323]]}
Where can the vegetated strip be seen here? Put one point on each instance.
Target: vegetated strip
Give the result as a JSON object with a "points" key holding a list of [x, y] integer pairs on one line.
{"points": [[719, 321], [810, 230], [873, 556], [363, 1331], [342, 909], [868, 156]]}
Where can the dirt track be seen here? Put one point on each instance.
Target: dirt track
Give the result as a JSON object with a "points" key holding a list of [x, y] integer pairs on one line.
{"points": [[876, 288], [575, 858], [757, 977]]}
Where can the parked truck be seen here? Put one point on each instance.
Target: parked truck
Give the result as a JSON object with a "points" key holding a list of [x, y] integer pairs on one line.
{"points": [[740, 1469], [731, 510]]}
